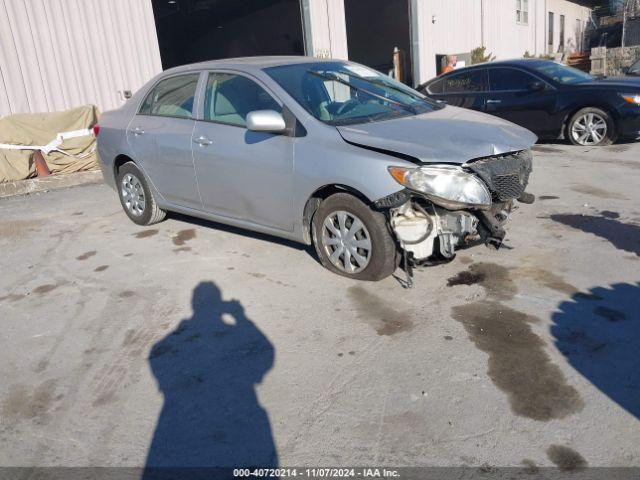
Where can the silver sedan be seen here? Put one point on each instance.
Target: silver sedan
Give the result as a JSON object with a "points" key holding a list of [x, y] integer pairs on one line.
{"points": [[318, 151]]}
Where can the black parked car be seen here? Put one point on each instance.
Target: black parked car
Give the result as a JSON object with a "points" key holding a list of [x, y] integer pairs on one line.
{"points": [[548, 98]]}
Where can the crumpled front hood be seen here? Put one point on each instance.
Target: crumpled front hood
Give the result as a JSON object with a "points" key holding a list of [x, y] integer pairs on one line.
{"points": [[449, 135]]}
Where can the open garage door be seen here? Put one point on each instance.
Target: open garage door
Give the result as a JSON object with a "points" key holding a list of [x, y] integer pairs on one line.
{"points": [[375, 28], [197, 30]]}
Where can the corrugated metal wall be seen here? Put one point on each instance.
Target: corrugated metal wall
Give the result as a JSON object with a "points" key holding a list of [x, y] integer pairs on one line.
{"points": [[58, 54]]}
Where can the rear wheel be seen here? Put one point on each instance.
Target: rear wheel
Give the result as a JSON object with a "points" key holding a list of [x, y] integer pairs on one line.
{"points": [[135, 196], [590, 127], [352, 240]]}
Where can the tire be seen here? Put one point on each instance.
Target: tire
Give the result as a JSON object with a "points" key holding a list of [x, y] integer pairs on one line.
{"points": [[381, 257], [579, 123], [143, 209]]}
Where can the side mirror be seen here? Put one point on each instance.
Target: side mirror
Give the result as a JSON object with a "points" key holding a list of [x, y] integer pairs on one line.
{"points": [[265, 121], [537, 86], [625, 70]]}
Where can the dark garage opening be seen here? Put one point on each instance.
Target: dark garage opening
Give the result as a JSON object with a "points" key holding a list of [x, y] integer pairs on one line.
{"points": [[197, 30], [374, 29]]}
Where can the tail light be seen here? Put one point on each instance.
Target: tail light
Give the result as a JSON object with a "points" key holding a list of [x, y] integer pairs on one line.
{"points": [[96, 130]]}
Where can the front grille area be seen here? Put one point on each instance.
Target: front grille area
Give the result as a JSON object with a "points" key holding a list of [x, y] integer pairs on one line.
{"points": [[505, 175]]}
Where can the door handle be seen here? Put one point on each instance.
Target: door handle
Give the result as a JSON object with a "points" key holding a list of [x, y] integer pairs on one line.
{"points": [[494, 101], [138, 131], [202, 141]]}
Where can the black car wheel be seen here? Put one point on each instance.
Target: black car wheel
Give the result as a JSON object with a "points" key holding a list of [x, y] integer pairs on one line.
{"points": [[590, 127], [353, 240], [136, 197]]}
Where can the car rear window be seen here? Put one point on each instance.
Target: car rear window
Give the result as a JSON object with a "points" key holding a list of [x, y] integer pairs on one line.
{"points": [[472, 81], [436, 87], [172, 97]]}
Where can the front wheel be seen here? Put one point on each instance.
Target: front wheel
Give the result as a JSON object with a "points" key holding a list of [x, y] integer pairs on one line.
{"points": [[590, 127], [353, 240]]}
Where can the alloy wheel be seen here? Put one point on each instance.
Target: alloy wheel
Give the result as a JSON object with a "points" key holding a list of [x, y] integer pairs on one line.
{"points": [[589, 129], [133, 194], [346, 241]]}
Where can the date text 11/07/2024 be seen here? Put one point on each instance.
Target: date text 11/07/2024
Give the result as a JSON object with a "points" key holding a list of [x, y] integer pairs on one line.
{"points": [[316, 473]]}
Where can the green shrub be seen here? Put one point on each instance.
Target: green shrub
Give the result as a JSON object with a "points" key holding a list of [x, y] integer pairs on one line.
{"points": [[478, 55]]}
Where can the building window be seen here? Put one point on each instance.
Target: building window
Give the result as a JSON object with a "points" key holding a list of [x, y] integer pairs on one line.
{"points": [[522, 12], [561, 45]]}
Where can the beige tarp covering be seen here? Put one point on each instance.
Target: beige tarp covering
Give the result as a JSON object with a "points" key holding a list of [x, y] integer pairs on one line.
{"points": [[40, 129]]}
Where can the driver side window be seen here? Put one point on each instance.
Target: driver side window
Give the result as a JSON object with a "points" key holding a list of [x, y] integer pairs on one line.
{"points": [[229, 98]]}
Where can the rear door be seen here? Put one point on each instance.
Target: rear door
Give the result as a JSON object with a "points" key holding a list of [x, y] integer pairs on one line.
{"points": [[466, 89], [513, 96], [160, 136], [242, 174]]}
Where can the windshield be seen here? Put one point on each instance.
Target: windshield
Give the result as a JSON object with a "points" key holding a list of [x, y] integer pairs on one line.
{"points": [[563, 74], [340, 93]]}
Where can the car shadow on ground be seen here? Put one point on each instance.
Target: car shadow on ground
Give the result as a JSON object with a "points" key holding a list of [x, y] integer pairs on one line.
{"points": [[623, 236], [207, 370], [599, 333], [245, 233]]}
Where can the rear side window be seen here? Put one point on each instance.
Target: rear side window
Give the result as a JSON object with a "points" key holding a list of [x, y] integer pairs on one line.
{"points": [[472, 81], [436, 87], [172, 97], [509, 79], [229, 98]]}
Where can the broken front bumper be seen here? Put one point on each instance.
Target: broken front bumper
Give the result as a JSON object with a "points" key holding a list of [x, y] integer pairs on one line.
{"points": [[424, 228]]}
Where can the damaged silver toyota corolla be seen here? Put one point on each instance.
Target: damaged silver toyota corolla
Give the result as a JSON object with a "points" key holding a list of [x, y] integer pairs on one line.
{"points": [[325, 152]]}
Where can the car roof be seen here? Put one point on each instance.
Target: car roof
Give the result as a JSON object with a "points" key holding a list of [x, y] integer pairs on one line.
{"points": [[519, 62], [248, 63]]}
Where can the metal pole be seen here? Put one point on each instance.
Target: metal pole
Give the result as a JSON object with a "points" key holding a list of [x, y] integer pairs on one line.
{"points": [[624, 20]]}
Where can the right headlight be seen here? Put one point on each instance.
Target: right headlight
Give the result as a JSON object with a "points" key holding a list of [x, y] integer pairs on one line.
{"points": [[631, 98], [446, 185]]}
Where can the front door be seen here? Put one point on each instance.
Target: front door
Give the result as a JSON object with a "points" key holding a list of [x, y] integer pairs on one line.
{"points": [[160, 136], [512, 97], [242, 174]]}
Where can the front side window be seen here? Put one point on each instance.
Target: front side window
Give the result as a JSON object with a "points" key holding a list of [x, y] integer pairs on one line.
{"points": [[341, 93], [172, 97], [229, 98], [467, 82], [509, 79], [522, 12]]}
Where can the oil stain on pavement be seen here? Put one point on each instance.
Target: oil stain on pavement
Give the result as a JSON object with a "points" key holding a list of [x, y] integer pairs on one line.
{"points": [[376, 312], [49, 287], [566, 459], [184, 236], [518, 363], [597, 192], [86, 255], [146, 233]]}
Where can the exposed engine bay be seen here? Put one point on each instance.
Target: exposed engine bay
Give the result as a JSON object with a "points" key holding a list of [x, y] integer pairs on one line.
{"points": [[427, 228]]}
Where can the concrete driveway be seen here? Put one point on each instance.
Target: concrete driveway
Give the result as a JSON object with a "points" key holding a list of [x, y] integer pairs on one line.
{"points": [[189, 343]]}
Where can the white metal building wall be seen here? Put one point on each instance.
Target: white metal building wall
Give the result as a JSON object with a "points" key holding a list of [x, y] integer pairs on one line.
{"points": [[59, 54], [325, 28], [456, 26]]}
